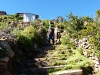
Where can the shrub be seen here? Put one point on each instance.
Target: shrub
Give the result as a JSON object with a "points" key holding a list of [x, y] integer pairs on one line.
{"points": [[19, 26], [64, 40], [97, 53], [28, 37], [80, 51]]}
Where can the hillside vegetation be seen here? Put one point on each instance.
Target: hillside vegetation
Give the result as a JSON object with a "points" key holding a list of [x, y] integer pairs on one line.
{"points": [[27, 37]]}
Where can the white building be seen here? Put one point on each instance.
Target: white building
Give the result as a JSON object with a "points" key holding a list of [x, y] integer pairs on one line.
{"points": [[28, 17]]}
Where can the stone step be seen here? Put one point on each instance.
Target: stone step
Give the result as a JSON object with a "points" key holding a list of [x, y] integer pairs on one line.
{"points": [[42, 70], [40, 59], [65, 72], [31, 74], [48, 48], [29, 65], [68, 72]]}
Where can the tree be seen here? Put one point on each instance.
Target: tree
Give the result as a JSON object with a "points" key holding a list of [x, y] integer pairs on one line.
{"points": [[86, 18], [59, 19], [97, 15]]}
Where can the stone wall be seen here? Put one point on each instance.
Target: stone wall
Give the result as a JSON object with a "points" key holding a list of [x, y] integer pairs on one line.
{"points": [[5, 60], [84, 44]]}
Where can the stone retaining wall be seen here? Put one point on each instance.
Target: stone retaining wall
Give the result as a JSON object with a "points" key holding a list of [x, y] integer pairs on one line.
{"points": [[84, 44], [4, 60]]}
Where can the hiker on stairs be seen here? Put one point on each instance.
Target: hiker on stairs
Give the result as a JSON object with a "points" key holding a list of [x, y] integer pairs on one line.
{"points": [[57, 34], [50, 35]]}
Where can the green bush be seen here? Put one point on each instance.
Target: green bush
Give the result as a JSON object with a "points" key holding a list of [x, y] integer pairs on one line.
{"points": [[28, 37], [64, 40], [97, 53], [80, 51]]}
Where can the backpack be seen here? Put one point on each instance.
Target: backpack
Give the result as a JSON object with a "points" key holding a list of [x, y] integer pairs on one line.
{"points": [[50, 32]]}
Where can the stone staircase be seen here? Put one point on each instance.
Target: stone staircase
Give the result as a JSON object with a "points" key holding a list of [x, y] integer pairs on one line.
{"points": [[30, 68], [36, 66], [33, 66]]}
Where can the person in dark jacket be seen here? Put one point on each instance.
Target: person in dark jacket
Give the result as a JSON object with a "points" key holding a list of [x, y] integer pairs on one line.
{"points": [[50, 35]]}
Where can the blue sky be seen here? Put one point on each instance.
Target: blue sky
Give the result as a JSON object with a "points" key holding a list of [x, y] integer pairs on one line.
{"points": [[50, 9]]}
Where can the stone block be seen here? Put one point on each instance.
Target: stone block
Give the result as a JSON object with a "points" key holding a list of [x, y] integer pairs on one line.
{"points": [[69, 72], [4, 59], [96, 69]]}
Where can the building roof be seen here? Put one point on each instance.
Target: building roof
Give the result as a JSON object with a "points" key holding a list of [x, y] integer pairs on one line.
{"points": [[2, 12], [27, 13]]}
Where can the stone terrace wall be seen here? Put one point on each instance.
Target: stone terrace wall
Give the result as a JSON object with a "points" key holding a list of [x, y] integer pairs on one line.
{"points": [[84, 44], [6, 39]]}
